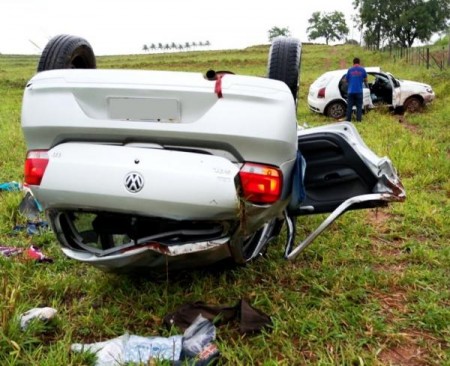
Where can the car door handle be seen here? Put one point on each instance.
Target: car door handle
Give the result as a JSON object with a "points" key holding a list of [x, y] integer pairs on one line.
{"points": [[341, 175]]}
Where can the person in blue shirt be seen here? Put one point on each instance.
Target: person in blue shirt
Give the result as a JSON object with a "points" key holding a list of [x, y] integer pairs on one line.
{"points": [[356, 77]]}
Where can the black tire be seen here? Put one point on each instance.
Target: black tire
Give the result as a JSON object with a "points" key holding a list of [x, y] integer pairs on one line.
{"points": [[336, 110], [284, 63], [67, 52], [413, 105]]}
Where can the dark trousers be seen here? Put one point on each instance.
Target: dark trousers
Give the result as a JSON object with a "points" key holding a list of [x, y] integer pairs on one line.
{"points": [[354, 99]]}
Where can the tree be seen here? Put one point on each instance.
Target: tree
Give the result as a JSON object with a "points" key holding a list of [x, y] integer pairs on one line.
{"points": [[330, 26], [373, 21], [401, 22], [145, 48], [275, 32]]}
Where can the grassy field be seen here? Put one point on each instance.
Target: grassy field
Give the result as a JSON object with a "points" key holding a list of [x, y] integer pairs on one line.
{"points": [[373, 290]]}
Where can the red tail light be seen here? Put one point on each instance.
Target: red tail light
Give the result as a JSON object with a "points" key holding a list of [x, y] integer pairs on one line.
{"points": [[260, 183], [321, 93], [35, 165]]}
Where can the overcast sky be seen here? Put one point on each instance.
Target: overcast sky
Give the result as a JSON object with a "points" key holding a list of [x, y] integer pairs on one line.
{"points": [[124, 26]]}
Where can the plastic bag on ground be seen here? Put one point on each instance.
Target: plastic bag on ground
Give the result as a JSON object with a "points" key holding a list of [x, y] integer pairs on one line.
{"points": [[198, 343], [44, 314]]}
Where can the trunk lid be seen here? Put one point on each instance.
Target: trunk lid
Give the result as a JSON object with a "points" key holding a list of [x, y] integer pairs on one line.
{"points": [[139, 181]]}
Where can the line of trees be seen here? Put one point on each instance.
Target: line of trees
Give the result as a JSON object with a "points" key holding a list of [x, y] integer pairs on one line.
{"points": [[396, 23], [401, 22], [153, 47]]}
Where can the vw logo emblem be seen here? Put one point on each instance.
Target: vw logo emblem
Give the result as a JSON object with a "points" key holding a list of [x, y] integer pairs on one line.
{"points": [[134, 182]]}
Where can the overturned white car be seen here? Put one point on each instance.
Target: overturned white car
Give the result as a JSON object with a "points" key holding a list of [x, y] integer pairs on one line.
{"points": [[148, 169]]}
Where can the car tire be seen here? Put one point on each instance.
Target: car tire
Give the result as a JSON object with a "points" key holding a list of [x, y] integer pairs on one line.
{"points": [[336, 110], [284, 62], [413, 105], [67, 52]]}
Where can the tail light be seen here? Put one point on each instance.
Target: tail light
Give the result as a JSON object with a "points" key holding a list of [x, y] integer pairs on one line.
{"points": [[260, 183], [35, 165], [321, 93]]}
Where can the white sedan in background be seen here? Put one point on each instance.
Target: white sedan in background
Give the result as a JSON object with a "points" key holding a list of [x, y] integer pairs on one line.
{"points": [[328, 94]]}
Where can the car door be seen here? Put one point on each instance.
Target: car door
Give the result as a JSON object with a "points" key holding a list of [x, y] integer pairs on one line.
{"points": [[396, 90], [340, 173]]}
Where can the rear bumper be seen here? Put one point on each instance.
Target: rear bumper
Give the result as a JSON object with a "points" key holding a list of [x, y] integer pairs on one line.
{"points": [[153, 257], [316, 105]]}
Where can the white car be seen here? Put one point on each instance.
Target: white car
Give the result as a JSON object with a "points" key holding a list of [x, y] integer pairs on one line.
{"points": [[327, 95], [153, 170]]}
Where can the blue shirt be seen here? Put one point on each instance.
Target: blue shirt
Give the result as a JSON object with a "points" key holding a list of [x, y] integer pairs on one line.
{"points": [[355, 78]]}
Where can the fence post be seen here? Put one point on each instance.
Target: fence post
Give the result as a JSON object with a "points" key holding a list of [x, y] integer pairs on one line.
{"points": [[448, 57], [428, 58]]}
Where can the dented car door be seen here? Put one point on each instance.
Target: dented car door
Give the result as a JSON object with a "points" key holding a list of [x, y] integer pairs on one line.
{"points": [[340, 173]]}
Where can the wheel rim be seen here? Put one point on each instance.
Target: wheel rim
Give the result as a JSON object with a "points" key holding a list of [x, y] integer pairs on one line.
{"points": [[413, 105], [336, 110]]}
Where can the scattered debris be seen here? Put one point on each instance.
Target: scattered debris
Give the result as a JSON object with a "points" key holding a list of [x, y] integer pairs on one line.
{"points": [[10, 251], [30, 207], [43, 314], [33, 252], [198, 342], [10, 186], [195, 345], [32, 228], [250, 319]]}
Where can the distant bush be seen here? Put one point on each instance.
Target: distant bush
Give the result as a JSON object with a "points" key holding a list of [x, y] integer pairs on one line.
{"points": [[352, 42], [442, 41]]}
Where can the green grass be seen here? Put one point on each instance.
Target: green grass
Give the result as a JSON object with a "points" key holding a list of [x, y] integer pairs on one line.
{"points": [[372, 290]]}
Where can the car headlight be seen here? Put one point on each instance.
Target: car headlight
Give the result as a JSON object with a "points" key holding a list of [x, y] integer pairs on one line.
{"points": [[429, 90]]}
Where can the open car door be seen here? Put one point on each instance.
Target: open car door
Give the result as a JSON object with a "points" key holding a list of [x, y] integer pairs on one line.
{"points": [[395, 90], [339, 173]]}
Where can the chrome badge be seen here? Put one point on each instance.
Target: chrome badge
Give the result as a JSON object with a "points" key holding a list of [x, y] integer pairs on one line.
{"points": [[134, 182]]}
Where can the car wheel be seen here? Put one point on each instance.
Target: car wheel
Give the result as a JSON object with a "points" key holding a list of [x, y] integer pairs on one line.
{"points": [[67, 52], [412, 105], [284, 63], [336, 110]]}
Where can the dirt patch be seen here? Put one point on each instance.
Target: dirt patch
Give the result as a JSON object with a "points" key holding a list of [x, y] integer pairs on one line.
{"points": [[393, 302], [410, 346], [378, 217], [405, 355], [414, 349], [410, 127]]}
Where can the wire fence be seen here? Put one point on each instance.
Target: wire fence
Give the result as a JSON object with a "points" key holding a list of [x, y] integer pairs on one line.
{"points": [[422, 56]]}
